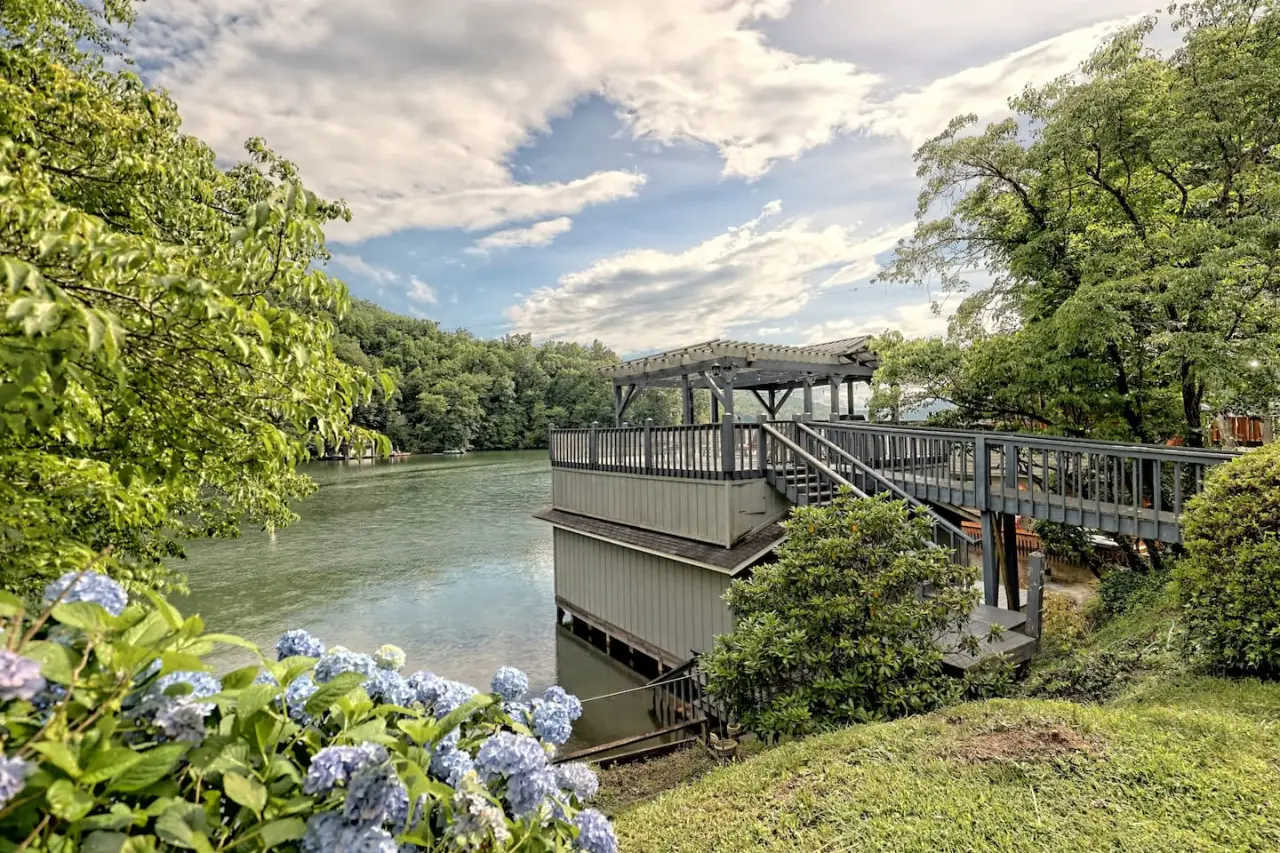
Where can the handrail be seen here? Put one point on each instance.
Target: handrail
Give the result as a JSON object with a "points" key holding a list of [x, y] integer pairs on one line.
{"points": [[891, 486], [1047, 442], [821, 466]]}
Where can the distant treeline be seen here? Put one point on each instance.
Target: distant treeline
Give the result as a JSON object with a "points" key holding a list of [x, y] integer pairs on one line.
{"points": [[454, 390]]}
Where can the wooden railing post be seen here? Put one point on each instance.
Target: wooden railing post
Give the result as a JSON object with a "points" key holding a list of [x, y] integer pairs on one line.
{"points": [[593, 444], [647, 460], [762, 444]]}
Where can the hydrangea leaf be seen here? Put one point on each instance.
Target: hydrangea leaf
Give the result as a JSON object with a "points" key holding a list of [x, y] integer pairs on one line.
{"points": [[68, 802], [10, 604], [248, 792], [183, 825], [333, 690], [85, 615], [254, 698], [57, 662], [241, 678], [61, 756], [277, 832], [461, 714], [154, 766]]}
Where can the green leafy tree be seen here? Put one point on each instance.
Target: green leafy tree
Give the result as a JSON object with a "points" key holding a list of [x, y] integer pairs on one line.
{"points": [[1126, 219], [164, 362], [836, 631]]}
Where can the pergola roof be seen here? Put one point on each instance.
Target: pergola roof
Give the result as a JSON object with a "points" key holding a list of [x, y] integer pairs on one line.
{"points": [[752, 365]]}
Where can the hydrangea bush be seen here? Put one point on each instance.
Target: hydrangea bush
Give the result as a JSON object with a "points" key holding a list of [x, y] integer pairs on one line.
{"points": [[115, 736]]}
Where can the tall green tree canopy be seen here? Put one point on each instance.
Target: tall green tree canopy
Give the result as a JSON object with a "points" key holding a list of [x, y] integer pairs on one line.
{"points": [[1127, 221], [164, 358]]}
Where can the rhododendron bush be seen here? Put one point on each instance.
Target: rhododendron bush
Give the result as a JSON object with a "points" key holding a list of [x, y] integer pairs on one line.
{"points": [[116, 736]]}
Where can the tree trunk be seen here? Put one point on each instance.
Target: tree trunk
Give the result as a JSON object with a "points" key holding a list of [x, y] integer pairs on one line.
{"points": [[1192, 396]]}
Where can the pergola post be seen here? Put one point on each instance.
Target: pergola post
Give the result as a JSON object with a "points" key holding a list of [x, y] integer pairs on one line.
{"points": [[715, 409], [834, 383], [849, 385], [727, 456], [617, 405], [808, 393], [686, 401]]}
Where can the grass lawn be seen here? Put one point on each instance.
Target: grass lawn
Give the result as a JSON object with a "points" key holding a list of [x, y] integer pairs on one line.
{"points": [[1191, 766]]}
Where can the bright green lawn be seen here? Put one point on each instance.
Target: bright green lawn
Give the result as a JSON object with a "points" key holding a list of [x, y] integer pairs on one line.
{"points": [[1199, 771]]}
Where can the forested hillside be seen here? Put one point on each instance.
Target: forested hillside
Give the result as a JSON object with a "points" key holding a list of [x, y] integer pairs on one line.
{"points": [[456, 390]]}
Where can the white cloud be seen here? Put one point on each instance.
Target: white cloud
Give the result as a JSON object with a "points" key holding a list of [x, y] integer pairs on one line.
{"points": [[361, 267], [913, 321], [646, 299], [538, 234], [420, 291], [411, 110], [922, 113]]}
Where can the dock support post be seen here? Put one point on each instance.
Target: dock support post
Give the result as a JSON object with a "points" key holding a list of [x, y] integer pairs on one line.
{"points": [[1010, 543], [990, 536], [1035, 595]]}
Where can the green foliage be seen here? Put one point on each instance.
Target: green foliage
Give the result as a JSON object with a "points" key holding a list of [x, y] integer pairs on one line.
{"points": [[105, 777], [1128, 219], [1124, 590], [1062, 623], [457, 391], [1230, 579], [164, 357], [836, 631]]}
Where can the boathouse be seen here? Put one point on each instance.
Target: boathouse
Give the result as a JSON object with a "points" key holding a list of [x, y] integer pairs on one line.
{"points": [[652, 523]]}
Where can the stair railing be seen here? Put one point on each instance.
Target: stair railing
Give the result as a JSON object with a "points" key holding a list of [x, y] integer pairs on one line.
{"points": [[945, 533]]}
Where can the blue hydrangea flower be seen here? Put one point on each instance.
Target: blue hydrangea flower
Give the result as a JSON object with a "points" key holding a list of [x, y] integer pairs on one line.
{"points": [[452, 695], [296, 696], [50, 696], [297, 643], [335, 765], [557, 696], [427, 686], [91, 587], [578, 779], [520, 712], [183, 719], [329, 832], [595, 835], [552, 723], [510, 683], [390, 688], [449, 764], [507, 753], [203, 685], [19, 677], [376, 795], [265, 677], [336, 662], [389, 657], [527, 791], [478, 824], [13, 776]]}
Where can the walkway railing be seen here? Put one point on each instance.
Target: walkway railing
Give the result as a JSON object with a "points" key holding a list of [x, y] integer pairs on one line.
{"points": [[1129, 489]]}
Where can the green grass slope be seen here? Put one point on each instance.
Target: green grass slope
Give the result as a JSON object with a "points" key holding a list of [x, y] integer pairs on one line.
{"points": [[1200, 771]]}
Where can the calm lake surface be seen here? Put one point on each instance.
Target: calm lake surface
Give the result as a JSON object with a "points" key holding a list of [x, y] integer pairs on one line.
{"points": [[438, 556]]}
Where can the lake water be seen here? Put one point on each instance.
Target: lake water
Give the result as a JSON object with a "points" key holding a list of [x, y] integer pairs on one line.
{"points": [[438, 556]]}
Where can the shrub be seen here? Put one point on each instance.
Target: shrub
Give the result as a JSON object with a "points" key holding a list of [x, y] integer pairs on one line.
{"points": [[1230, 579], [1062, 623], [835, 631], [115, 737], [1124, 590]]}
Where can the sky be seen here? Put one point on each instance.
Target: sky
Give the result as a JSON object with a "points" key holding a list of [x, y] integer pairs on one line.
{"points": [[648, 173]]}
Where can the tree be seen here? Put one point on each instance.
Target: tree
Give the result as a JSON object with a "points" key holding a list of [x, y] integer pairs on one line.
{"points": [[835, 632], [164, 361], [1127, 221]]}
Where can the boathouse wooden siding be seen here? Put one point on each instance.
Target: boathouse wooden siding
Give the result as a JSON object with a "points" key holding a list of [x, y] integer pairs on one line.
{"points": [[653, 603], [720, 512]]}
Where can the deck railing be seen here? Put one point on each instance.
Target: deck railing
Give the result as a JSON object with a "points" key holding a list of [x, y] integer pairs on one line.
{"points": [[1130, 489]]}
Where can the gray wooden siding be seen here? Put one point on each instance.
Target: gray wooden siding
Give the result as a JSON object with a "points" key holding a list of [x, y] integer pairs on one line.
{"points": [[694, 509], [753, 504], [716, 511], [674, 606]]}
